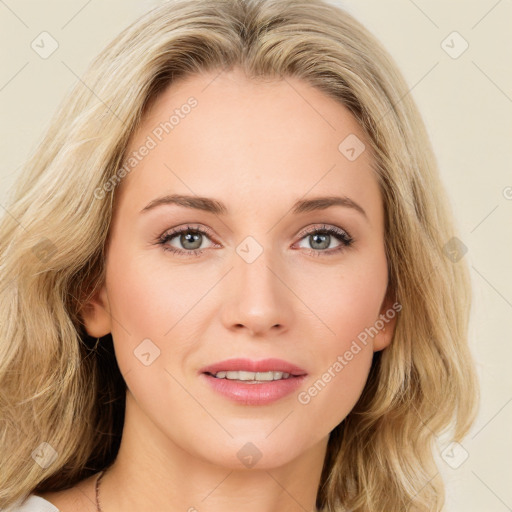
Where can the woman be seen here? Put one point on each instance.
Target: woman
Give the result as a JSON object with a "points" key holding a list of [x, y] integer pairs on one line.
{"points": [[224, 277]]}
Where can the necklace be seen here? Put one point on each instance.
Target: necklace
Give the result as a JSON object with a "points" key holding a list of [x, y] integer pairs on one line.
{"points": [[98, 508], [100, 476]]}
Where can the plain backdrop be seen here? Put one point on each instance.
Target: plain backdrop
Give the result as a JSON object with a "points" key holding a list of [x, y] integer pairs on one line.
{"points": [[456, 57]]}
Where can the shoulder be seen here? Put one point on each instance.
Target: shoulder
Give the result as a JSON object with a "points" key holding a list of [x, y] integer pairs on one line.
{"points": [[33, 504], [69, 500], [80, 498]]}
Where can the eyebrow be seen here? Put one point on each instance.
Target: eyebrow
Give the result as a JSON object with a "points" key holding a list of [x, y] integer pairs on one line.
{"points": [[218, 208]]}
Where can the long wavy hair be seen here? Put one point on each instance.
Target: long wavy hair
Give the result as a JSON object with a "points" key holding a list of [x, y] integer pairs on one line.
{"points": [[62, 396]]}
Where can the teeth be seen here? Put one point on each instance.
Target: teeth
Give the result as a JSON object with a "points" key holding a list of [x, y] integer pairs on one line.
{"points": [[253, 376]]}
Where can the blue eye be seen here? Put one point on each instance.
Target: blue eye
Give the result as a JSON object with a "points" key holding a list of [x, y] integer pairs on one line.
{"points": [[319, 236], [191, 238], [188, 235]]}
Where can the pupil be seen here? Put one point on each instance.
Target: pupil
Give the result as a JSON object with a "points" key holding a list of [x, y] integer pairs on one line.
{"points": [[325, 237], [190, 238]]}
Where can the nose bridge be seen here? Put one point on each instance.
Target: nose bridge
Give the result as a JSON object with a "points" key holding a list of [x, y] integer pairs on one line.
{"points": [[259, 299]]}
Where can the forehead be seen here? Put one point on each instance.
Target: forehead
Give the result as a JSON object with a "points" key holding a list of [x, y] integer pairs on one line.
{"points": [[239, 139]]}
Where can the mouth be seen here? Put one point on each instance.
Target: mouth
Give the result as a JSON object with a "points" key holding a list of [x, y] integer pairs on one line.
{"points": [[249, 370], [254, 382]]}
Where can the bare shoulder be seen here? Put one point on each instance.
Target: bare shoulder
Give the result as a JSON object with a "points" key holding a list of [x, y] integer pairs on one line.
{"points": [[79, 498]]}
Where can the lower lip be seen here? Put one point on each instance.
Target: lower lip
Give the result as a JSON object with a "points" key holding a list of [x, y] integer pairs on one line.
{"points": [[254, 394]]}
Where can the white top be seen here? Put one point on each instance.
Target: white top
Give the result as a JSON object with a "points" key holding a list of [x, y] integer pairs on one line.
{"points": [[34, 504]]}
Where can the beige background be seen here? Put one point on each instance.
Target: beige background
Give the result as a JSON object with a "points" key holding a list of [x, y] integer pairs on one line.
{"points": [[467, 105]]}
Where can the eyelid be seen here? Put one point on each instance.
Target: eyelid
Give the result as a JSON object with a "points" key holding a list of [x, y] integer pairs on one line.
{"points": [[188, 227], [323, 227]]}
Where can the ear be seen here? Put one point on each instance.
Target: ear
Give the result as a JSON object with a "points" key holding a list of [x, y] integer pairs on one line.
{"points": [[96, 314], [386, 322]]}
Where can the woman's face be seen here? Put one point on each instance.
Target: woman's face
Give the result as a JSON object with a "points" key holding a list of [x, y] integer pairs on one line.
{"points": [[255, 277]]}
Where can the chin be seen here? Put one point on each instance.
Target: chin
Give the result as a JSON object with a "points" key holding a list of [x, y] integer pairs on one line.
{"points": [[255, 452]]}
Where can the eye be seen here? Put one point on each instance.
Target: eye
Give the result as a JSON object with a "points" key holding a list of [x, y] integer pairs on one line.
{"points": [[320, 239], [190, 238]]}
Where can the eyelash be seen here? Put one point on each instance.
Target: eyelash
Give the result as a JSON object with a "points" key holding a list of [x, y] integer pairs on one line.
{"points": [[340, 234]]}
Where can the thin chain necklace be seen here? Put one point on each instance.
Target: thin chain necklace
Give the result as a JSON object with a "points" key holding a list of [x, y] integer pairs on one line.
{"points": [[98, 508], [100, 476]]}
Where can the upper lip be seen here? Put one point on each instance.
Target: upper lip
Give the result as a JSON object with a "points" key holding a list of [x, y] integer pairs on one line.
{"points": [[250, 365]]}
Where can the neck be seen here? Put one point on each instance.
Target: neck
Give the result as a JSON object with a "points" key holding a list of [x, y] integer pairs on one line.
{"points": [[152, 472]]}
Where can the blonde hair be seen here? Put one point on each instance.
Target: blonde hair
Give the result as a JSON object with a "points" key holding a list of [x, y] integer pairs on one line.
{"points": [[59, 386]]}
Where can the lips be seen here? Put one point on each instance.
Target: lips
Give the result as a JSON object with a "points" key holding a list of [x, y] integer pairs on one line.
{"points": [[250, 365], [246, 381]]}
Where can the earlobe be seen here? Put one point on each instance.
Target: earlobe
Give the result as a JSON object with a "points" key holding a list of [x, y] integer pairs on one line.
{"points": [[96, 314], [385, 324], [383, 338]]}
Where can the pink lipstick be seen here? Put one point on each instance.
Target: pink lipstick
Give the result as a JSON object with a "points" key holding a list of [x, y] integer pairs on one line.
{"points": [[253, 382]]}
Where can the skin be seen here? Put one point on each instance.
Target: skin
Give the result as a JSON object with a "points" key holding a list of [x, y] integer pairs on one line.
{"points": [[257, 147]]}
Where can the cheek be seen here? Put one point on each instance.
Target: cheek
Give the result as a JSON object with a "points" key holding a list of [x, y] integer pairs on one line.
{"points": [[349, 305], [343, 361], [347, 298], [147, 303], [149, 292], [149, 307]]}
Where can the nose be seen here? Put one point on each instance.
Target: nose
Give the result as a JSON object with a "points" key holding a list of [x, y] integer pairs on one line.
{"points": [[257, 297]]}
